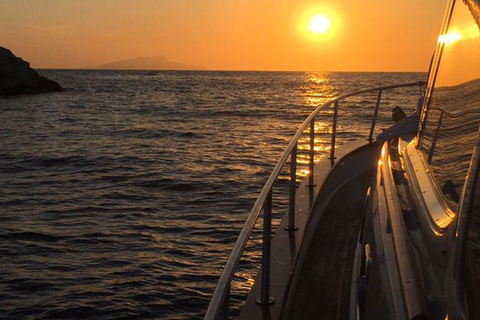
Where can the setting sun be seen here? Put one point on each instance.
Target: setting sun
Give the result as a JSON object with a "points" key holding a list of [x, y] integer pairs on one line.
{"points": [[319, 24]]}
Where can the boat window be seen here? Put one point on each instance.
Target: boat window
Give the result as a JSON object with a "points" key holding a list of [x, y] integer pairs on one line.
{"points": [[453, 116]]}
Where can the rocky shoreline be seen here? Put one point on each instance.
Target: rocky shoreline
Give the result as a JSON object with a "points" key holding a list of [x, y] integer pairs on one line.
{"points": [[16, 77]]}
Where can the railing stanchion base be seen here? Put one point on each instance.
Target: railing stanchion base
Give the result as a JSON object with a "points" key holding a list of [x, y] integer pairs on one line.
{"points": [[270, 301]]}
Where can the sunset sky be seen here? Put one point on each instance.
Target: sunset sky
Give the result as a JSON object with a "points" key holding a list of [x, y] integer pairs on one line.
{"points": [[363, 35]]}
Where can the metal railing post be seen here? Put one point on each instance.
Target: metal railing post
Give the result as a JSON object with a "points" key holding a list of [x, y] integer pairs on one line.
{"points": [[311, 153], [334, 133], [293, 183], [224, 314], [265, 298], [375, 115], [311, 163]]}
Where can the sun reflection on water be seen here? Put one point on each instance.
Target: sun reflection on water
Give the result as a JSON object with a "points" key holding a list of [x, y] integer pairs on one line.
{"points": [[317, 88], [243, 281], [316, 91]]}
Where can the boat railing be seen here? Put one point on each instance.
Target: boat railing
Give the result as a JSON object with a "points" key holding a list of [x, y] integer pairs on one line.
{"points": [[219, 304]]}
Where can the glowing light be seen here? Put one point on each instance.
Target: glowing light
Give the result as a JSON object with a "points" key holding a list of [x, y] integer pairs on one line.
{"points": [[244, 281], [319, 24], [449, 38], [303, 172]]}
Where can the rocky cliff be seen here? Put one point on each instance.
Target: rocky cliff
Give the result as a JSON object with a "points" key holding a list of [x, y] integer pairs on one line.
{"points": [[16, 77]]}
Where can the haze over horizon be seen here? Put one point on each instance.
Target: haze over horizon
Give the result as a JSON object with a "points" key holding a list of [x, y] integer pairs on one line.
{"points": [[282, 35]]}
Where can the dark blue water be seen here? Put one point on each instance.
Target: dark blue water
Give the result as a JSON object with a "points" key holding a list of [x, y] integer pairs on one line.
{"points": [[121, 197]]}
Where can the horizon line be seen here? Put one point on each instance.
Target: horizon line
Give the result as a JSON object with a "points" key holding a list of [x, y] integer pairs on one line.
{"points": [[232, 70]]}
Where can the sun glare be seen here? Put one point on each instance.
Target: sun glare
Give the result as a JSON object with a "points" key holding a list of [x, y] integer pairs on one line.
{"points": [[319, 24], [450, 38]]}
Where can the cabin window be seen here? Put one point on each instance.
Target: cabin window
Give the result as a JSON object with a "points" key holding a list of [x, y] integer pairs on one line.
{"points": [[453, 117]]}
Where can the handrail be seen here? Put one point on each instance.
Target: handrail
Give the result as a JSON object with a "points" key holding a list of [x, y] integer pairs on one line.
{"points": [[222, 291]]}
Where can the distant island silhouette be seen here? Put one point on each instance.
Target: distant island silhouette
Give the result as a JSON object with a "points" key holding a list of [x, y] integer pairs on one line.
{"points": [[148, 63]]}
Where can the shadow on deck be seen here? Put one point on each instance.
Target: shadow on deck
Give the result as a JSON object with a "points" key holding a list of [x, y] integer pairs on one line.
{"points": [[323, 287]]}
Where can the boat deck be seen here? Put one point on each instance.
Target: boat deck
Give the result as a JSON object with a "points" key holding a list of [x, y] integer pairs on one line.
{"points": [[323, 290], [311, 268]]}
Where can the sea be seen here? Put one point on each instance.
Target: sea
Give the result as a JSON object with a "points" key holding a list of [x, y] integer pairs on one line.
{"points": [[122, 197]]}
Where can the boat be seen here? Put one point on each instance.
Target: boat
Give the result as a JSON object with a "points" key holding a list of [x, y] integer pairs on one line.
{"points": [[387, 227]]}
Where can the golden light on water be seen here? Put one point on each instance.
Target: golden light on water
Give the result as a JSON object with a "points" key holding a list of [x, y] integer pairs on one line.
{"points": [[317, 90], [303, 173], [245, 281]]}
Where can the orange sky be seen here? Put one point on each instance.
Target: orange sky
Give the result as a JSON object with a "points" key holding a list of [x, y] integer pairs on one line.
{"points": [[366, 35]]}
